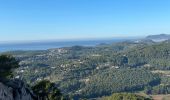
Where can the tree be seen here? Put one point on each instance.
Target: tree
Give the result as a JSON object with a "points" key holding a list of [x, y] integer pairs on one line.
{"points": [[125, 96], [45, 90], [7, 65]]}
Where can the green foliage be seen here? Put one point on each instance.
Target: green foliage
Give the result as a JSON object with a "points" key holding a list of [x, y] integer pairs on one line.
{"points": [[165, 80], [157, 56], [125, 96], [160, 89], [110, 68], [45, 90], [124, 80], [7, 65]]}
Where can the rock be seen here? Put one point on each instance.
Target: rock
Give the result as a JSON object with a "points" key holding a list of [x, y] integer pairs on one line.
{"points": [[6, 93], [15, 90]]}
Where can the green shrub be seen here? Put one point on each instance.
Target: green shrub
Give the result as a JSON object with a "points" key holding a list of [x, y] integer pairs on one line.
{"points": [[7, 65], [45, 90]]}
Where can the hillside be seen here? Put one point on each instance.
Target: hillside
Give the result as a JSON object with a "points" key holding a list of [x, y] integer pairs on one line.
{"points": [[90, 72], [159, 38]]}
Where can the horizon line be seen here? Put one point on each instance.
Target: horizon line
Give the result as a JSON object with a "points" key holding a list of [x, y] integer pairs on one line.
{"points": [[69, 39]]}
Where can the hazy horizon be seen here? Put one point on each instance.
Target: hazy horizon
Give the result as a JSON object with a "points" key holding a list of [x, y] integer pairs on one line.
{"points": [[73, 39]]}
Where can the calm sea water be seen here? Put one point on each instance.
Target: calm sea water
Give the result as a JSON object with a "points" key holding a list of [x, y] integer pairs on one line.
{"points": [[55, 44]]}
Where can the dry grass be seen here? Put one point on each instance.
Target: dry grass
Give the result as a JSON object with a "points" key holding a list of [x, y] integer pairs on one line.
{"points": [[161, 72], [160, 97], [155, 97]]}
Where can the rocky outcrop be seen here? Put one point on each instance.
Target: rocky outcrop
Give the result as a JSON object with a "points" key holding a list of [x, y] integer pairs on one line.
{"points": [[6, 93], [15, 90]]}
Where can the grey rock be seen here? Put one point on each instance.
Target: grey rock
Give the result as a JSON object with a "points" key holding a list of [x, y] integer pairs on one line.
{"points": [[15, 90], [6, 93]]}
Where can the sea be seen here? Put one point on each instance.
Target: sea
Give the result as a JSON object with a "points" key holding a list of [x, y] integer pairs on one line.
{"points": [[44, 45]]}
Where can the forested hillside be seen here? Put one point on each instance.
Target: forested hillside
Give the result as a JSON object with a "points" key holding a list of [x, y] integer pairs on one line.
{"points": [[92, 72]]}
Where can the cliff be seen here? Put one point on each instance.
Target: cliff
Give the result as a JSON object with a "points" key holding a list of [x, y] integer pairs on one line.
{"points": [[15, 90]]}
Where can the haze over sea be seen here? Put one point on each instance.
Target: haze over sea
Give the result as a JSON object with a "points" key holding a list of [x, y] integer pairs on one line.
{"points": [[44, 45]]}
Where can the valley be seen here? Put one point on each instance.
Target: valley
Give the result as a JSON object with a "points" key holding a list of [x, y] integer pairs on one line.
{"points": [[101, 70]]}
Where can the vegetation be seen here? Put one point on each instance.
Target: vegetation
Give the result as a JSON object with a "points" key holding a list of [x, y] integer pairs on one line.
{"points": [[45, 90], [124, 80], [91, 72], [7, 65], [125, 96]]}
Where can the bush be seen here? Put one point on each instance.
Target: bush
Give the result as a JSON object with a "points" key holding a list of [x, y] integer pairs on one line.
{"points": [[45, 90], [7, 65]]}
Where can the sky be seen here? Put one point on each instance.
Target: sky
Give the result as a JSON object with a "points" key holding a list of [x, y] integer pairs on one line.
{"points": [[77, 19]]}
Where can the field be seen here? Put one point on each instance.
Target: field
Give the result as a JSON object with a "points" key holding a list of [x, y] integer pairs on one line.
{"points": [[167, 73], [161, 97], [155, 97]]}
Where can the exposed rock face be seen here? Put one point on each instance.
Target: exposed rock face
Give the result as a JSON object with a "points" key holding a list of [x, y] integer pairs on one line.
{"points": [[6, 93], [15, 90]]}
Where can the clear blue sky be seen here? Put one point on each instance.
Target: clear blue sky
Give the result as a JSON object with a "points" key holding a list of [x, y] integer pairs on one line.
{"points": [[66, 19]]}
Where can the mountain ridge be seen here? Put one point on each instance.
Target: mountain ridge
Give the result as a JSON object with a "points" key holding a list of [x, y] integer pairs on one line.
{"points": [[159, 37]]}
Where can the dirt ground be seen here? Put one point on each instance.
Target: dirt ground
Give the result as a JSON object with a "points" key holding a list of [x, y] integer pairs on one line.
{"points": [[160, 97]]}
